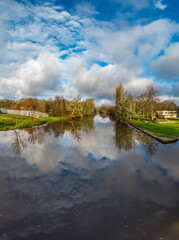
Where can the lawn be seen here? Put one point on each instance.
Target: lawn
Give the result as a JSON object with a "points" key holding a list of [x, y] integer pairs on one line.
{"points": [[170, 130], [8, 121], [173, 120]]}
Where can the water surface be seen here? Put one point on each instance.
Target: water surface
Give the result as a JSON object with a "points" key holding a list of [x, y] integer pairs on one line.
{"points": [[89, 180]]}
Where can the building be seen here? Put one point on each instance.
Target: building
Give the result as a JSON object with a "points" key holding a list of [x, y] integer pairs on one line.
{"points": [[166, 114]]}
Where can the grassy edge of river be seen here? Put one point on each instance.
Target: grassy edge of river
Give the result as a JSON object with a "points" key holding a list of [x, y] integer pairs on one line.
{"points": [[10, 122], [165, 132]]}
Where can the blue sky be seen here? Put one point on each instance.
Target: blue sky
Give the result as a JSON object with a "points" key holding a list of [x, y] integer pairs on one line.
{"points": [[87, 48]]}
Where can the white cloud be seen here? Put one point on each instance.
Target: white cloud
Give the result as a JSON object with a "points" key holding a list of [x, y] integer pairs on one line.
{"points": [[160, 5], [134, 3], [100, 102], [137, 85], [127, 50], [99, 82], [85, 42], [33, 77], [8, 87], [49, 13], [172, 167], [131, 47], [86, 9], [38, 75], [166, 66], [170, 98], [1, 35]]}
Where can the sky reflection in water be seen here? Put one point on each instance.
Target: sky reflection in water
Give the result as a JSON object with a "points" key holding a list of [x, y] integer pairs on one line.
{"points": [[95, 179]]}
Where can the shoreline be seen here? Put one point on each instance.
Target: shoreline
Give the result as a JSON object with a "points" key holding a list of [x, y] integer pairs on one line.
{"points": [[12, 122], [164, 140]]}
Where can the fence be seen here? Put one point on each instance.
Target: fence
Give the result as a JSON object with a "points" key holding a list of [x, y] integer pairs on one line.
{"points": [[26, 113]]}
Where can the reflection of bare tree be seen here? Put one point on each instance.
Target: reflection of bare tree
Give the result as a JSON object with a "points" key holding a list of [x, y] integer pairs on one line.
{"points": [[150, 144], [73, 126], [21, 139], [124, 136], [19, 143], [74, 129], [56, 128], [36, 135], [85, 124]]}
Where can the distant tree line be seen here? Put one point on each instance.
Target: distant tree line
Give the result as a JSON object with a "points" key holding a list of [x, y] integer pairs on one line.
{"points": [[127, 106], [54, 107], [144, 105]]}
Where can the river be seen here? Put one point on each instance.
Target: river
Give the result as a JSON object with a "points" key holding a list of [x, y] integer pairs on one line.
{"points": [[87, 180]]}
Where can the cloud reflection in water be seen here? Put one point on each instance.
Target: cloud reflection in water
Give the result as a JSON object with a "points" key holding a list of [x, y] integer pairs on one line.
{"points": [[87, 181]]}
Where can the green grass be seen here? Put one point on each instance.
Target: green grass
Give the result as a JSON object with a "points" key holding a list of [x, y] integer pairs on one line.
{"points": [[173, 120], [9, 122], [170, 130]]}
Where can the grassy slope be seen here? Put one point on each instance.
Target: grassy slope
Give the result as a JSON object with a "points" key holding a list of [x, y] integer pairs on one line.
{"points": [[170, 130], [8, 121]]}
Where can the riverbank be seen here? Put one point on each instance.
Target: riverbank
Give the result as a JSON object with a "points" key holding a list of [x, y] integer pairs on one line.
{"points": [[10, 122], [165, 132]]}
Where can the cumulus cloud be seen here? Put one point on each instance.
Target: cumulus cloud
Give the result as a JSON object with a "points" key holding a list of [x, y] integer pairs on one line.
{"points": [[86, 9], [127, 51], [100, 81], [34, 77], [38, 75], [97, 79], [170, 98], [134, 46], [160, 5], [161, 158], [76, 44], [166, 66], [49, 13], [8, 87]]}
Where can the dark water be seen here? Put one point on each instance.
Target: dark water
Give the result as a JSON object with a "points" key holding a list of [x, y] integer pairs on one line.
{"points": [[91, 180]]}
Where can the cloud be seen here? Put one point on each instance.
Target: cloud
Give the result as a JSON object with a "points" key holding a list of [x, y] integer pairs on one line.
{"points": [[135, 4], [70, 176], [170, 98], [126, 52], [51, 13], [161, 159], [1, 35], [166, 66], [38, 75], [158, 4], [98, 81], [8, 87], [131, 47], [33, 77], [80, 44], [85, 9]]}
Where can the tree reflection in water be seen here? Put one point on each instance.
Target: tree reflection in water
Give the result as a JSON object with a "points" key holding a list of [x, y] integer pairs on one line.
{"points": [[126, 137], [150, 144], [19, 143], [73, 126], [37, 135]]}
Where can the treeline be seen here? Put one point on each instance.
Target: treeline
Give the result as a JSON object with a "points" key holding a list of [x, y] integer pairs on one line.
{"points": [[144, 105], [54, 107]]}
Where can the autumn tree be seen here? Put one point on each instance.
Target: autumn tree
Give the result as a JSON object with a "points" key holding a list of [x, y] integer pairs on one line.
{"points": [[88, 107], [125, 104], [75, 107], [151, 98]]}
